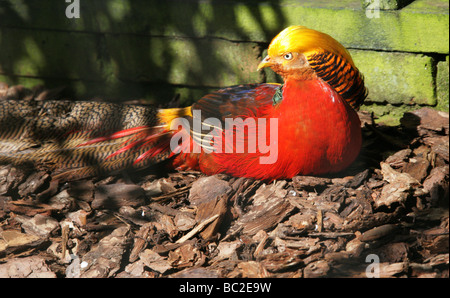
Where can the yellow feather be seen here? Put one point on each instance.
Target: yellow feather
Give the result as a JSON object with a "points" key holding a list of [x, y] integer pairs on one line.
{"points": [[307, 41], [166, 116]]}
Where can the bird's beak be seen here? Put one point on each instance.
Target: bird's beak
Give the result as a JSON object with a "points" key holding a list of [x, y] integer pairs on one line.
{"points": [[265, 63]]}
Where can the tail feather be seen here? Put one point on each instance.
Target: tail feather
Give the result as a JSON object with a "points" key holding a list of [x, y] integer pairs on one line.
{"points": [[81, 139]]}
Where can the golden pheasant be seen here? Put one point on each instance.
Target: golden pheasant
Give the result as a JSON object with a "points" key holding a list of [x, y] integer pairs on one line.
{"points": [[307, 126]]}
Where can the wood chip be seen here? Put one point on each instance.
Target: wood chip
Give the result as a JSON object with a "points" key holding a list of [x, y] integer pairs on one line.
{"points": [[378, 232], [269, 208], [398, 189], [114, 196], [154, 261], [105, 259], [31, 267]]}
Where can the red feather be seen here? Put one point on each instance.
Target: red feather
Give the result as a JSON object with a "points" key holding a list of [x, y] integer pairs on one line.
{"points": [[318, 132]]}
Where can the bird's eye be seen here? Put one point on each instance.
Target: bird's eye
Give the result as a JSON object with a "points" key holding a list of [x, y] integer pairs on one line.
{"points": [[288, 56]]}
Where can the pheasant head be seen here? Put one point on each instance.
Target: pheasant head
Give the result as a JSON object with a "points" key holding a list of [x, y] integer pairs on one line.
{"points": [[301, 53]]}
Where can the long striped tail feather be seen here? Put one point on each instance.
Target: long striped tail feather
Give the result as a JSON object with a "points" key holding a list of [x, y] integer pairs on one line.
{"points": [[70, 138]]}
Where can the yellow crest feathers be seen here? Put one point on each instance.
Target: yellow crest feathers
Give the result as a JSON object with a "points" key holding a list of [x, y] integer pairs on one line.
{"points": [[307, 41]]}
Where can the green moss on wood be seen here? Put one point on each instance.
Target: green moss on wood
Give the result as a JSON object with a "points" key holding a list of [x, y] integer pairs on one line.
{"points": [[388, 114], [397, 78], [442, 85], [422, 26]]}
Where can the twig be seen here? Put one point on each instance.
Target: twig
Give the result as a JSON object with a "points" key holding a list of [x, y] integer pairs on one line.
{"points": [[235, 232], [331, 234], [197, 229], [179, 191], [65, 238], [319, 220], [261, 245]]}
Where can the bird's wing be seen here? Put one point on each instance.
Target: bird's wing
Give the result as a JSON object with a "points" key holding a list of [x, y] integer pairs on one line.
{"points": [[236, 102], [251, 100]]}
